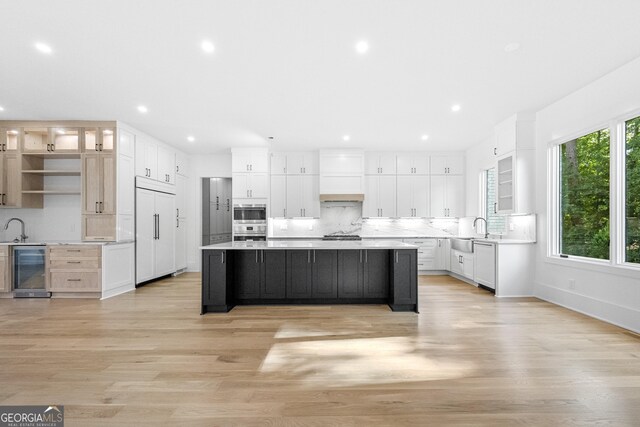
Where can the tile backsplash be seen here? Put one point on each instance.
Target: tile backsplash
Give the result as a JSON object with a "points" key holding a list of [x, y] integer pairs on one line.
{"points": [[346, 218]]}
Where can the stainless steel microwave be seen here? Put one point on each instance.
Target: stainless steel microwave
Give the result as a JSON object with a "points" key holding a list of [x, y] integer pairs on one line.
{"points": [[249, 214]]}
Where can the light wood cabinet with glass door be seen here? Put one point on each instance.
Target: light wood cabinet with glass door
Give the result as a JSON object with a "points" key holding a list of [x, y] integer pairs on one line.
{"points": [[99, 185], [10, 184]]}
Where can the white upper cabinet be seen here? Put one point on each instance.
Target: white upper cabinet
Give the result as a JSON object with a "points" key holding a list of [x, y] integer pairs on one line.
{"points": [[379, 196], [447, 165], [146, 157], [412, 196], [342, 171], [278, 199], [248, 160], [412, 164], [166, 165], [516, 132], [303, 197], [302, 163], [278, 163], [250, 186], [181, 164], [447, 195], [380, 163]]}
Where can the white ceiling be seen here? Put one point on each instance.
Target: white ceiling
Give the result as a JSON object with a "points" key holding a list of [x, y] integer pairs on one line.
{"points": [[288, 68]]}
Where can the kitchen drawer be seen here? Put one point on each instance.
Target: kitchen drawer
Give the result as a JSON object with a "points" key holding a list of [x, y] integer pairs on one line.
{"points": [[79, 251], [423, 243], [70, 281], [74, 264]]}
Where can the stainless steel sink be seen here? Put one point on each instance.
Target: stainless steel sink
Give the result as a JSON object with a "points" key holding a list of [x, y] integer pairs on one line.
{"points": [[461, 244]]}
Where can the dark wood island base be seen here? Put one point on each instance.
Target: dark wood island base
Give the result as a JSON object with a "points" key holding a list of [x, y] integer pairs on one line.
{"points": [[270, 276]]}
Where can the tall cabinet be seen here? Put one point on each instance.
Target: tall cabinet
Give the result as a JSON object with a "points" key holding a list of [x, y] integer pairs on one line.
{"points": [[10, 186], [99, 185]]}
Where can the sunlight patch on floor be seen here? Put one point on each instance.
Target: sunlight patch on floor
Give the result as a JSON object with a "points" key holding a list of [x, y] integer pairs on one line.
{"points": [[348, 362]]}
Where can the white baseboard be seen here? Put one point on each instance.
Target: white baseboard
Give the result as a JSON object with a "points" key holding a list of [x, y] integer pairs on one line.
{"points": [[118, 291], [618, 315]]}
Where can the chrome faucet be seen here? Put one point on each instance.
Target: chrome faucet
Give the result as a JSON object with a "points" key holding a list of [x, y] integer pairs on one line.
{"points": [[486, 227], [23, 237]]}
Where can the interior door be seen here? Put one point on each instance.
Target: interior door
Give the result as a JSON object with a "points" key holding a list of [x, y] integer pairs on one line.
{"points": [[145, 232], [165, 238]]}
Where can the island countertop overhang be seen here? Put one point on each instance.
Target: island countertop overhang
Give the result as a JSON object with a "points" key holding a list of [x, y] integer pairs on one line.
{"points": [[312, 244]]}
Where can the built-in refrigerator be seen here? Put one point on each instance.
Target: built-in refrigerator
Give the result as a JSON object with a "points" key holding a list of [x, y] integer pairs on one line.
{"points": [[217, 211]]}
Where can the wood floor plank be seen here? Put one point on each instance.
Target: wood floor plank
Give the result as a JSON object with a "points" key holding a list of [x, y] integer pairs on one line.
{"points": [[149, 358]]}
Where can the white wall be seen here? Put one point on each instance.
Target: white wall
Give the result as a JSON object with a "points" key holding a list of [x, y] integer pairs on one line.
{"points": [[478, 159], [607, 292], [201, 166]]}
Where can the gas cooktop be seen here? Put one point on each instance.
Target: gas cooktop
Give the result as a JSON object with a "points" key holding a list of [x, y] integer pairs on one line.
{"points": [[341, 237]]}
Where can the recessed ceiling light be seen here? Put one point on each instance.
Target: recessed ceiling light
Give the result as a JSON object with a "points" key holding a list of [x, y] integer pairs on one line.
{"points": [[1, 108], [143, 109], [455, 108], [512, 47], [362, 47], [424, 137], [44, 48], [207, 46], [346, 138], [190, 138]]}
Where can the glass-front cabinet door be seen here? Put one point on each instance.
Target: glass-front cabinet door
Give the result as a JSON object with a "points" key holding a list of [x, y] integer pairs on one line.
{"points": [[99, 139], [9, 139], [65, 140], [50, 140]]}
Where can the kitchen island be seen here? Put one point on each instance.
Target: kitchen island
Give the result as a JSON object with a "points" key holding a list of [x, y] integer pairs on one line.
{"points": [[309, 272]]}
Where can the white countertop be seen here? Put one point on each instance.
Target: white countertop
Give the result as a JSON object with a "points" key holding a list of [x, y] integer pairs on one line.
{"points": [[369, 238], [63, 242], [314, 244]]}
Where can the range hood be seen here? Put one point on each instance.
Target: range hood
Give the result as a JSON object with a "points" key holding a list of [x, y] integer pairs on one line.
{"points": [[342, 197]]}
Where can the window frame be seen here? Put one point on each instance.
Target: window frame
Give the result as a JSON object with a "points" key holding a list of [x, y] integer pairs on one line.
{"points": [[616, 264]]}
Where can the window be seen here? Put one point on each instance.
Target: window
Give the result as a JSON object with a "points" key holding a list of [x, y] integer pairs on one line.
{"points": [[632, 190], [495, 222], [584, 196]]}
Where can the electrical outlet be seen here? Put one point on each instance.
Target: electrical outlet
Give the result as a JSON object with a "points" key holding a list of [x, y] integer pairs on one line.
{"points": [[572, 283], [512, 226]]}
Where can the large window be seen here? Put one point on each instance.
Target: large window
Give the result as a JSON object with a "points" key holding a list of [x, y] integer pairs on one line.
{"points": [[584, 196], [632, 190]]}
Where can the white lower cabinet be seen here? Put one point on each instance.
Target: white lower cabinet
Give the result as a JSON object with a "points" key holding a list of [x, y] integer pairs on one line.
{"points": [[432, 253], [155, 234], [462, 263], [181, 244], [505, 268]]}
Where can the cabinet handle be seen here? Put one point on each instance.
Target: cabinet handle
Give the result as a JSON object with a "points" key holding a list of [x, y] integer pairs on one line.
{"points": [[73, 280], [177, 212], [366, 256], [177, 222], [314, 256], [158, 226], [360, 256], [495, 151], [262, 256], [177, 169], [97, 207], [222, 258], [308, 257], [396, 256], [101, 207], [73, 262], [250, 167], [4, 199]]}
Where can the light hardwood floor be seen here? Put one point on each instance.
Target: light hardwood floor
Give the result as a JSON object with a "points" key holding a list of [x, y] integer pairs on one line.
{"points": [[149, 358]]}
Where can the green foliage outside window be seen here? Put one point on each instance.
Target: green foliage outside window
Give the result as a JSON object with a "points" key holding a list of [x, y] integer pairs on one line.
{"points": [[584, 196], [632, 193]]}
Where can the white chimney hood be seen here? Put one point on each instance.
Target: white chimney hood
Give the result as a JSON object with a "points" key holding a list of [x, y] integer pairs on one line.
{"points": [[342, 175]]}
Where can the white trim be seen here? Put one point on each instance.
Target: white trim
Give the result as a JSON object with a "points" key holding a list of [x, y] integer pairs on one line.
{"points": [[575, 135], [605, 267], [605, 311]]}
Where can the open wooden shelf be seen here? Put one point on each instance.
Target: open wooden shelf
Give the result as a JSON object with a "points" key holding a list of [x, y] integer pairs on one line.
{"points": [[53, 172], [46, 192]]}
